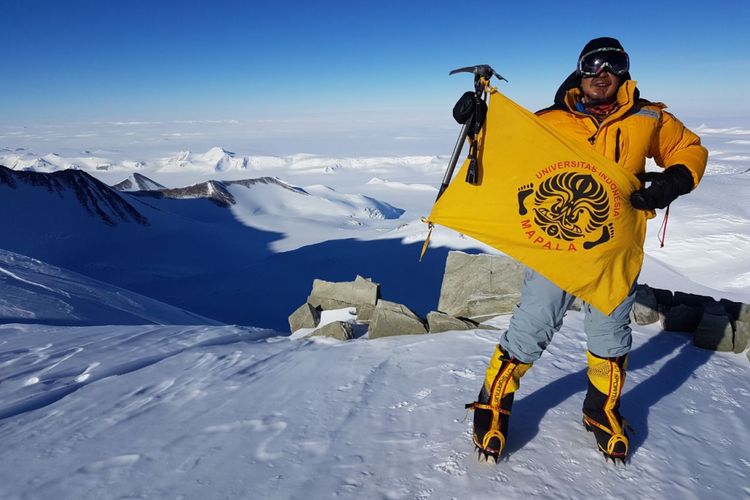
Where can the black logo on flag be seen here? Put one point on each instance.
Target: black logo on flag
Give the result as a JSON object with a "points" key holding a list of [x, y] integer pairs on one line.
{"points": [[570, 206]]}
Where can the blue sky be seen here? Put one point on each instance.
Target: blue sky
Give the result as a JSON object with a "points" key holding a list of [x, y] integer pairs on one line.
{"points": [[366, 64]]}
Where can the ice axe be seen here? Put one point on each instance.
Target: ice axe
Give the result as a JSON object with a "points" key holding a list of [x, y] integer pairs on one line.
{"points": [[466, 112], [482, 75]]}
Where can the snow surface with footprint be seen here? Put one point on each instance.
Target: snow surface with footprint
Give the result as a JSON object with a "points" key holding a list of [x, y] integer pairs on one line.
{"points": [[222, 411]]}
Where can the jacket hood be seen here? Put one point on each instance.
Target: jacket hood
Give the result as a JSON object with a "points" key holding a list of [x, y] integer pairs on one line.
{"points": [[574, 81]]}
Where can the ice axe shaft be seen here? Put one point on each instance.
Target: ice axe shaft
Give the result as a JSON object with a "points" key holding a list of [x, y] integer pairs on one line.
{"points": [[454, 159]]}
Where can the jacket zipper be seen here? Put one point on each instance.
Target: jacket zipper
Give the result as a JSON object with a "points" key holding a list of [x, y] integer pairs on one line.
{"points": [[592, 139], [617, 146]]}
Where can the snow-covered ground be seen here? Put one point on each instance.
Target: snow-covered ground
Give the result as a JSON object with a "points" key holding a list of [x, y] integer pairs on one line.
{"points": [[229, 412], [212, 411]]}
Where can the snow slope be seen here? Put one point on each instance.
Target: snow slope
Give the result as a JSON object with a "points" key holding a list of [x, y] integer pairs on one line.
{"points": [[36, 292], [227, 412]]}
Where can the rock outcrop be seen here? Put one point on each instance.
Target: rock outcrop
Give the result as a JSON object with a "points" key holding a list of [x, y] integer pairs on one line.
{"points": [[715, 332], [390, 318], [336, 295], [480, 285], [646, 308], [306, 316], [438, 322], [477, 287], [339, 330]]}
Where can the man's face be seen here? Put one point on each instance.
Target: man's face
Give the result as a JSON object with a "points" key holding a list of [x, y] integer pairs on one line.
{"points": [[600, 88]]}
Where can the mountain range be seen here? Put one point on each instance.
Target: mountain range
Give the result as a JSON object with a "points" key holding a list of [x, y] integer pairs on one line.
{"points": [[215, 160]]}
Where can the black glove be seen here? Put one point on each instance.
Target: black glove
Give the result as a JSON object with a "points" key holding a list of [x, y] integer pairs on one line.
{"points": [[665, 187], [471, 110]]}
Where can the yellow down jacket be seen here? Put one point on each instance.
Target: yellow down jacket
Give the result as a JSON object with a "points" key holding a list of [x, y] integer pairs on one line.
{"points": [[637, 130]]}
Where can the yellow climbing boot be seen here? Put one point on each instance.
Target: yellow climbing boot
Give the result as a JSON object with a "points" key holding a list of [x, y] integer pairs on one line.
{"points": [[601, 408], [492, 408]]}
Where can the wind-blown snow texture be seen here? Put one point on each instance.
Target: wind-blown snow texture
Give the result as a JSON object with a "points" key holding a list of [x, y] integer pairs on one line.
{"points": [[36, 292], [238, 412], [224, 412]]}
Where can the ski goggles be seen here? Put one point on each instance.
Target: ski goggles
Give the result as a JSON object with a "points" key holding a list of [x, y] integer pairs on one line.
{"points": [[616, 61]]}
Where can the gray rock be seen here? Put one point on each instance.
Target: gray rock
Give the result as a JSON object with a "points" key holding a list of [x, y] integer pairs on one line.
{"points": [[440, 322], [741, 336], [338, 330], [645, 309], [306, 316], [489, 306], [715, 333], [737, 310], [336, 295], [390, 319], [473, 277], [682, 318], [364, 312]]}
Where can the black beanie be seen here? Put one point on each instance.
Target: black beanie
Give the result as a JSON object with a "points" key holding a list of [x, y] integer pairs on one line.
{"points": [[601, 43]]}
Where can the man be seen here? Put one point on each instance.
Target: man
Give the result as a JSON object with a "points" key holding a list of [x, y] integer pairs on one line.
{"points": [[598, 104]]}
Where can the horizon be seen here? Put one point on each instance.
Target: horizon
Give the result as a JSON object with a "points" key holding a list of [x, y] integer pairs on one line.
{"points": [[330, 78]]}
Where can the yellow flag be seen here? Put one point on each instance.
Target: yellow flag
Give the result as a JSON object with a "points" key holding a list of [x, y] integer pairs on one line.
{"points": [[551, 203]]}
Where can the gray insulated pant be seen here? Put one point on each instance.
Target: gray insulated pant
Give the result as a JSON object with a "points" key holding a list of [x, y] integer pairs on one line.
{"points": [[540, 314]]}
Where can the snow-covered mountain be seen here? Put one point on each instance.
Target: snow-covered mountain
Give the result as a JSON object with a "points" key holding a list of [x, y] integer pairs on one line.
{"points": [[264, 197], [140, 243], [22, 159], [138, 182], [376, 181], [218, 159], [214, 160], [273, 196], [218, 191], [147, 241], [215, 191], [75, 190]]}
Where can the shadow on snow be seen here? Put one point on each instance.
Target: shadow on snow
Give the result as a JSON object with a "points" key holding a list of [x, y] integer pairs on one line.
{"points": [[636, 402]]}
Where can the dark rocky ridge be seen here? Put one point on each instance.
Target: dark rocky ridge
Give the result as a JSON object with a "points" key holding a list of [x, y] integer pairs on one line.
{"points": [[217, 191], [96, 197]]}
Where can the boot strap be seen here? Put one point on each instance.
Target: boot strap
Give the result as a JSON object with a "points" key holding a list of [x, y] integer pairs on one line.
{"points": [[615, 437], [493, 434], [482, 406]]}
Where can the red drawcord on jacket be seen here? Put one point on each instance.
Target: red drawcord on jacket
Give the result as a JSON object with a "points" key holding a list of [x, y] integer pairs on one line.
{"points": [[663, 229]]}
